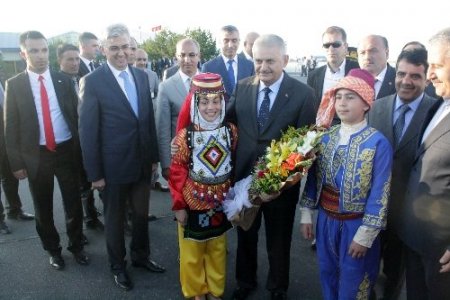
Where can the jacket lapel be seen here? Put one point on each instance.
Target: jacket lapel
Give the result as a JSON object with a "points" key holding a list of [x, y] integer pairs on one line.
{"points": [[280, 101]]}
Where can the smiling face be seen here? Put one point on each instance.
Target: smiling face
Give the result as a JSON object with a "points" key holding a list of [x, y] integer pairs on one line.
{"points": [[269, 63], [350, 107], [210, 106], [117, 50], [410, 81], [439, 69]]}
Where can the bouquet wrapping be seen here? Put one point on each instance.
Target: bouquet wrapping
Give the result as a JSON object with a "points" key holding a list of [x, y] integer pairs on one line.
{"points": [[284, 164]]}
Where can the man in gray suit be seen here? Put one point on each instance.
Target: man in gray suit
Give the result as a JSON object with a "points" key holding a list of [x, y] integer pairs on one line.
{"points": [[424, 224], [408, 107], [171, 95], [262, 106]]}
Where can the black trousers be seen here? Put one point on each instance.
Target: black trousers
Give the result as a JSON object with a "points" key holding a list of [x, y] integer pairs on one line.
{"points": [[423, 280], [10, 187], [87, 197], [114, 202], [392, 253], [61, 164], [278, 220]]}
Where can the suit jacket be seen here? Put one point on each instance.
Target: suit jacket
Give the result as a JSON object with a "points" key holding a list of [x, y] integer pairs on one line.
{"points": [[217, 65], [169, 72], [242, 55], [172, 93], [84, 69], [317, 77], [292, 107], [388, 84], [425, 222], [22, 123], [117, 145], [381, 118]]}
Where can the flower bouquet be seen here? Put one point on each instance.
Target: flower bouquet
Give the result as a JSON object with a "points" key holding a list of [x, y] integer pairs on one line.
{"points": [[286, 161]]}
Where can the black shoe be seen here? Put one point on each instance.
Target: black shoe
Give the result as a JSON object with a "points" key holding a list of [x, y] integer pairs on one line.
{"points": [[84, 240], [241, 293], [150, 265], [161, 187], [123, 281], [151, 217], [4, 229], [81, 258], [278, 295], [95, 224], [313, 245], [22, 216], [57, 262]]}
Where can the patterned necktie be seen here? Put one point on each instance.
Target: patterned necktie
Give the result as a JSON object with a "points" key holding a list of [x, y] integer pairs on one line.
{"points": [[264, 110], [46, 117], [400, 123], [231, 75], [91, 65], [130, 89]]}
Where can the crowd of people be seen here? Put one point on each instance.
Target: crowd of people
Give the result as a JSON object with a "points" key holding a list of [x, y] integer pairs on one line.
{"points": [[377, 193]]}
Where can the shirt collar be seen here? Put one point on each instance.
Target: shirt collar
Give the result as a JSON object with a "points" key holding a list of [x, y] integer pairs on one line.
{"points": [[380, 76], [412, 105], [275, 87], [35, 76], [116, 72], [226, 59]]}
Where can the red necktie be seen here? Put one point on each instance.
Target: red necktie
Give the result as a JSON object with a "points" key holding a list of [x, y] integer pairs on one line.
{"points": [[48, 127]]}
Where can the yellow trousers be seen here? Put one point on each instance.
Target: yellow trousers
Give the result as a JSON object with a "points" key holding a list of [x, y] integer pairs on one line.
{"points": [[202, 265]]}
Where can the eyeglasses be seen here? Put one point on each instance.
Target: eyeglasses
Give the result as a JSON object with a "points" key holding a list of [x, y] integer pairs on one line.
{"points": [[334, 45], [118, 48], [190, 55]]}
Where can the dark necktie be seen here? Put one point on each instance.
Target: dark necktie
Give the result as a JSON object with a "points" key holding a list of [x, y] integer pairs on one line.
{"points": [[400, 123], [131, 91], [46, 117], [91, 65], [231, 75], [264, 110]]}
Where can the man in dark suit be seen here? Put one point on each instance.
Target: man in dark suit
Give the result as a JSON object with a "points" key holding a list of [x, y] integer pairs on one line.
{"points": [[373, 53], [229, 65], [387, 115], [287, 103], [120, 150], [41, 136], [334, 42], [424, 224], [89, 47], [247, 52]]}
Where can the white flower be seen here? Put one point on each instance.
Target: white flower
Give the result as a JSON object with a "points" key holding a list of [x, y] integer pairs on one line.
{"points": [[308, 141]]}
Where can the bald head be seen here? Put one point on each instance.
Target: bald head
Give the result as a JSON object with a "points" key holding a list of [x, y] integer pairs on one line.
{"points": [[141, 59], [373, 53]]}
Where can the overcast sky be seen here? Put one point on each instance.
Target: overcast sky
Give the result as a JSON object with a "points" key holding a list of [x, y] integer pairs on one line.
{"points": [[300, 24]]}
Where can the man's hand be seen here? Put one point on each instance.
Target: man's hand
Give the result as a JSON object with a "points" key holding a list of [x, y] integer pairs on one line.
{"points": [[98, 185], [445, 262], [20, 174], [181, 216], [165, 173], [356, 250], [307, 231]]}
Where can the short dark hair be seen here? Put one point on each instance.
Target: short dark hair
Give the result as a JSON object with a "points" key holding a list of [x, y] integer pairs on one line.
{"points": [[230, 28], [64, 48], [86, 36], [31, 34], [417, 57], [336, 29], [414, 43]]}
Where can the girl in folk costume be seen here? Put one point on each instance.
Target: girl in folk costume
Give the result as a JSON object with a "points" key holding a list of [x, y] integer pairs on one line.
{"points": [[349, 185], [200, 176]]}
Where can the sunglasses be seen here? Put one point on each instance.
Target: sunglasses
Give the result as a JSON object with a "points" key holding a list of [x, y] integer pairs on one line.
{"points": [[334, 45]]}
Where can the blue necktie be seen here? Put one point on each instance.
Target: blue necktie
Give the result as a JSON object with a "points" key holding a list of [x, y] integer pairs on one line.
{"points": [[264, 110], [130, 89], [400, 124], [231, 75]]}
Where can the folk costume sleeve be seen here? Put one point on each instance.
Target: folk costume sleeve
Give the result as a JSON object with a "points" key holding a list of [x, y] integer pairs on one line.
{"points": [[179, 170]]}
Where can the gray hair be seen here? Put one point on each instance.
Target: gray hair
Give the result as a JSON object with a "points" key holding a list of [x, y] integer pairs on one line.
{"points": [[442, 38], [116, 30], [271, 40]]}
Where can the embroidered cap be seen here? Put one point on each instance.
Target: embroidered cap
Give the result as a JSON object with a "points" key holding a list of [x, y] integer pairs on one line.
{"points": [[207, 83]]}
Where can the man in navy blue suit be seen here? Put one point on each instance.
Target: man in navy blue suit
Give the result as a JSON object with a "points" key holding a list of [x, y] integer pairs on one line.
{"points": [[120, 150], [228, 64]]}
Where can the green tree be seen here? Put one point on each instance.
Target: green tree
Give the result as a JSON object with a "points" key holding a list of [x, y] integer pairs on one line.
{"points": [[164, 44], [206, 41]]}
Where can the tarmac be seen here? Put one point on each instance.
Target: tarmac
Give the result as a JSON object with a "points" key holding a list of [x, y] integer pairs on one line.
{"points": [[25, 272]]}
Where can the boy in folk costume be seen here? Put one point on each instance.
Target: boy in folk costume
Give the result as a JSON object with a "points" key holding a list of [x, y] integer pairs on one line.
{"points": [[349, 185], [200, 176]]}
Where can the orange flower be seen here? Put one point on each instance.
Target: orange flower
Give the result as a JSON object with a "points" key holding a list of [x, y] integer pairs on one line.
{"points": [[292, 160]]}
